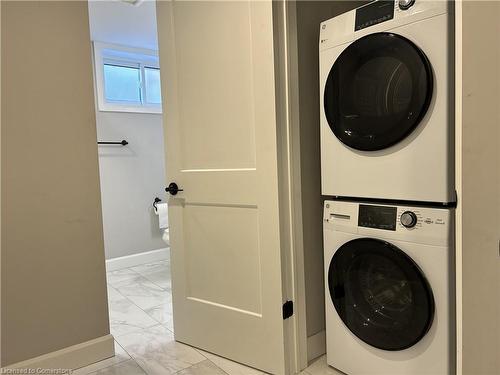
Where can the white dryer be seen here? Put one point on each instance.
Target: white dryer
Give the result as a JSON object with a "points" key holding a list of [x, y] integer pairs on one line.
{"points": [[389, 289], [386, 89]]}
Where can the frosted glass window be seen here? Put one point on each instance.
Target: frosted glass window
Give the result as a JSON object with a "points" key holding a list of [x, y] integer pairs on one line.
{"points": [[153, 88], [122, 83]]}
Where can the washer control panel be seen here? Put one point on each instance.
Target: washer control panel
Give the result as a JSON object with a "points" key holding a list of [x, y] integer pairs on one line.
{"points": [[429, 225]]}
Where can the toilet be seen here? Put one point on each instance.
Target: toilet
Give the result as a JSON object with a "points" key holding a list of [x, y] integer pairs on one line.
{"points": [[166, 236]]}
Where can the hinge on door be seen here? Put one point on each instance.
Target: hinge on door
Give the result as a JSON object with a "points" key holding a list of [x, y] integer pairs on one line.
{"points": [[287, 309]]}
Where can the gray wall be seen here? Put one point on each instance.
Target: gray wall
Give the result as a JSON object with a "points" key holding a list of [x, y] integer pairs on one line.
{"points": [[53, 276], [309, 15], [131, 177]]}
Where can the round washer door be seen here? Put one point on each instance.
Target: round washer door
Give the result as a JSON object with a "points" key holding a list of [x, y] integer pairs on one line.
{"points": [[377, 91], [380, 294]]}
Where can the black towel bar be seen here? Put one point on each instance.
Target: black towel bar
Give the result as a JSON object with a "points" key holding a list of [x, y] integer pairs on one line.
{"points": [[123, 143]]}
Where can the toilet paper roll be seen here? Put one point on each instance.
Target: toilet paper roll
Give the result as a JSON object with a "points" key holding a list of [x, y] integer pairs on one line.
{"points": [[162, 212]]}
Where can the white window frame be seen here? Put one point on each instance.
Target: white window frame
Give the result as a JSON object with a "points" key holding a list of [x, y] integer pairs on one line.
{"points": [[123, 56]]}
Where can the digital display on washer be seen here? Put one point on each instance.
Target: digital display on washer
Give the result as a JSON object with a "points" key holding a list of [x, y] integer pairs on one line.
{"points": [[379, 217], [373, 13]]}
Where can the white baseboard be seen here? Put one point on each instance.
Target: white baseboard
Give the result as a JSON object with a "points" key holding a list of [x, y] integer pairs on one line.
{"points": [[72, 357], [316, 345], [137, 259]]}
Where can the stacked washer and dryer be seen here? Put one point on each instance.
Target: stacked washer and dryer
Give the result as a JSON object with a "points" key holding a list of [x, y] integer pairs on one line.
{"points": [[387, 161]]}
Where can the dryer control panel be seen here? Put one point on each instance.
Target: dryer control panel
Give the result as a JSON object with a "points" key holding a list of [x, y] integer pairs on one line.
{"points": [[422, 224]]}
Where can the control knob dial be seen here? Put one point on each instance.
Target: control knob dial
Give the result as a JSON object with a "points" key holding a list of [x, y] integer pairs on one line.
{"points": [[405, 4], [408, 219]]}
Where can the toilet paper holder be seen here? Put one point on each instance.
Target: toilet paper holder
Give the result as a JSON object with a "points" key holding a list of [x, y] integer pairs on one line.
{"points": [[156, 201]]}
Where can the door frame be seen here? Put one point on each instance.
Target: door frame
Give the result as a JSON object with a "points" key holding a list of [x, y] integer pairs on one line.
{"points": [[288, 137], [0, 192]]}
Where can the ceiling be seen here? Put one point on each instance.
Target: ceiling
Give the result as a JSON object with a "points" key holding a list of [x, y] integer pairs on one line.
{"points": [[118, 22]]}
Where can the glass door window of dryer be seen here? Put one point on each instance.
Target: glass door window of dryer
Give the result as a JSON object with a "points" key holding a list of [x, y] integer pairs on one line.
{"points": [[380, 294], [377, 91]]}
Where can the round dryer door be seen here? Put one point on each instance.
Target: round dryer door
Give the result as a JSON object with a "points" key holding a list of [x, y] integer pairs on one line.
{"points": [[377, 91], [380, 294]]}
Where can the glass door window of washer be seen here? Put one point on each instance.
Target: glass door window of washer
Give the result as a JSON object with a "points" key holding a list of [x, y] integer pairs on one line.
{"points": [[380, 293]]}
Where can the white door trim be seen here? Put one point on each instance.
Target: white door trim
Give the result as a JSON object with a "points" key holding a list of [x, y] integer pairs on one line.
{"points": [[286, 72], [458, 184], [0, 205]]}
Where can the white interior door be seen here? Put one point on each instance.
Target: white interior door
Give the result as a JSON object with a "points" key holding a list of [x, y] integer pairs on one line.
{"points": [[220, 123]]}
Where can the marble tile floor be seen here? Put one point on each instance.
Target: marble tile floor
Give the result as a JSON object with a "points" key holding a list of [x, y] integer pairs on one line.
{"points": [[140, 309]]}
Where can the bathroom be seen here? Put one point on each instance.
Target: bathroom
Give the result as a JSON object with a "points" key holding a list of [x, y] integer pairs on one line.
{"points": [[131, 164]]}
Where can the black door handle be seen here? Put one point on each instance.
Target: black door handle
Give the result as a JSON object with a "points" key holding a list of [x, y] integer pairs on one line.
{"points": [[172, 188]]}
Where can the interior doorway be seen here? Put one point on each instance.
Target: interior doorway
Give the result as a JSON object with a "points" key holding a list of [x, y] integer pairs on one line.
{"points": [[131, 152]]}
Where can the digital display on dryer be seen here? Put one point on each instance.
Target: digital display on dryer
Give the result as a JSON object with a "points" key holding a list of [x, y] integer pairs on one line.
{"points": [[379, 217], [373, 13]]}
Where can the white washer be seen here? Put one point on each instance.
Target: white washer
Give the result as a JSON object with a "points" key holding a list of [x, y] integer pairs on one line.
{"points": [[389, 289], [386, 89]]}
